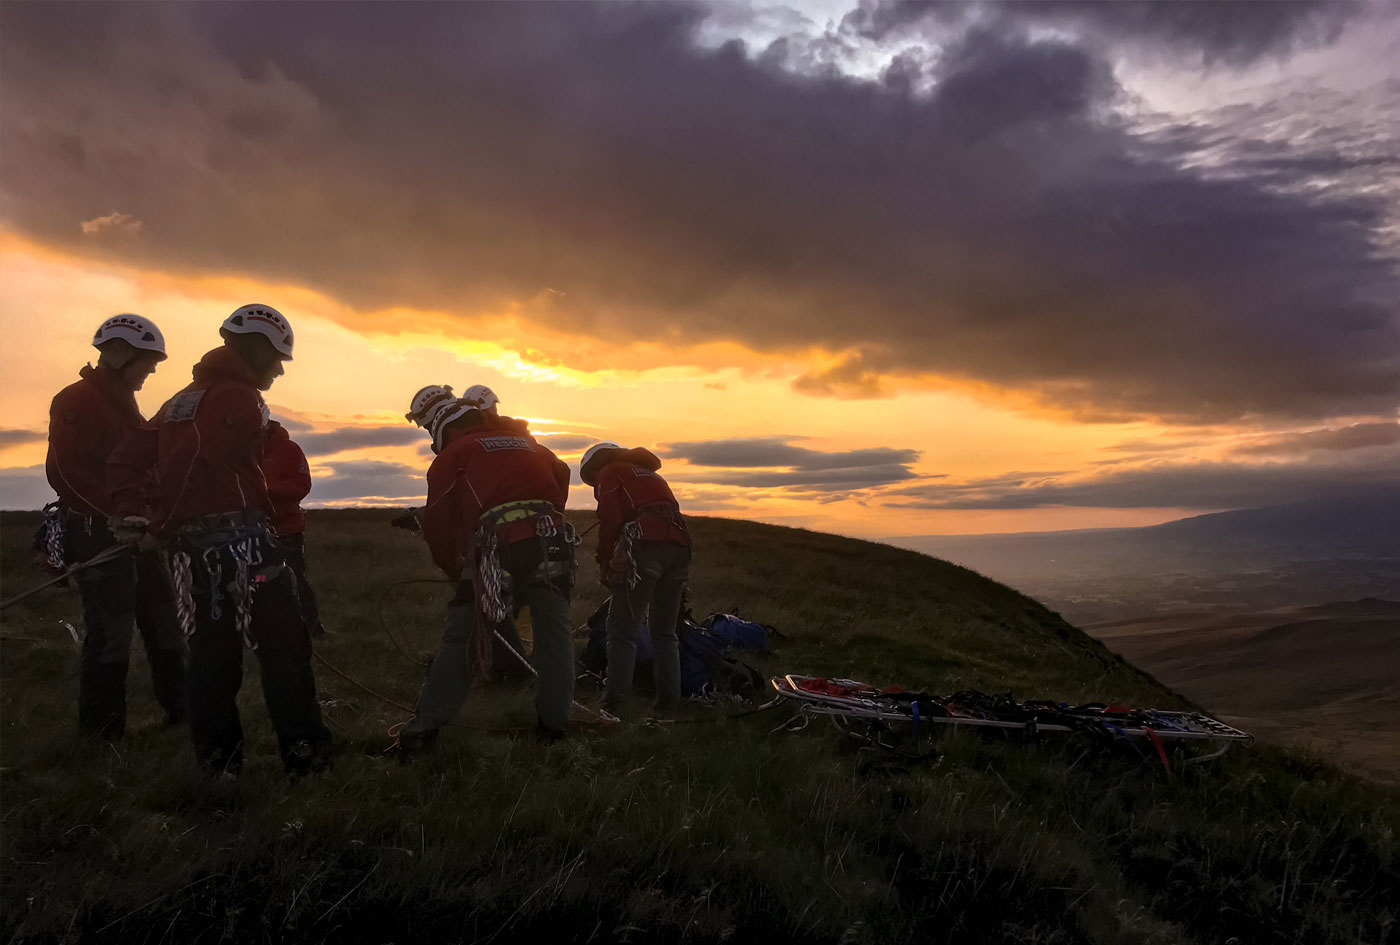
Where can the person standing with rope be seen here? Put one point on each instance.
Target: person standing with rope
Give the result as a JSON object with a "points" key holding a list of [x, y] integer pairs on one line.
{"points": [[494, 522], [644, 557], [87, 421], [233, 586]]}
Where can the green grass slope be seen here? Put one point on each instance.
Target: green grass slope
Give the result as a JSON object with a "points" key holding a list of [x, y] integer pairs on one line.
{"points": [[713, 830]]}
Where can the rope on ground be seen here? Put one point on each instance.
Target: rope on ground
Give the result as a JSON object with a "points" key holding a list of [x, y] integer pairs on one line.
{"points": [[399, 705], [384, 623], [355, 682], [604, 716], [101, 558], [652, 722]]}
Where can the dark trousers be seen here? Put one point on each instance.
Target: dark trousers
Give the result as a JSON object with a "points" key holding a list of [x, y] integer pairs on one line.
{"points": [[524, 562], [294, 547], [663, 568], [284, 661], [130, 591]]}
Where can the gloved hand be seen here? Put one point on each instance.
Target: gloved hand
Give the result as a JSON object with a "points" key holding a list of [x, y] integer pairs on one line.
{"points": [[408, 521], [129, 529]]}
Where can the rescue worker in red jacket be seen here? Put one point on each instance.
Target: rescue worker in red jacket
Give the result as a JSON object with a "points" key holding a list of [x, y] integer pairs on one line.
{"points": [[644, 557], [494, 521], [232, 581], [87, 421], [288, 478], [505, 666]]}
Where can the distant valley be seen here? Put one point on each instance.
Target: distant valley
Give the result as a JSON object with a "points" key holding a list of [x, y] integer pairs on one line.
{"points": [[1326, 676], [1286, 620], [1250, 559]]}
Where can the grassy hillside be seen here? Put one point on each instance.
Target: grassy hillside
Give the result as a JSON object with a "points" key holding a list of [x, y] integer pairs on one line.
{"points": [[714, 830], [1326, 676]]}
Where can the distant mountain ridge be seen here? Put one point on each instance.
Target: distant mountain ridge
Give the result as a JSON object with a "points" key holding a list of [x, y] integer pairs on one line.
{"points": [[1357, 525], [1298, 554], [1363, 524]]}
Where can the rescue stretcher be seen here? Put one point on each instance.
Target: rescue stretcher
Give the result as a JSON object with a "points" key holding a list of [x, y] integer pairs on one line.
{"points": [[869, 712]]}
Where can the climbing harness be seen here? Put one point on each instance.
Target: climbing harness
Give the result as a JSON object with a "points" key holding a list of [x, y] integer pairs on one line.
{"points": [[213, 543], [625, 551]]}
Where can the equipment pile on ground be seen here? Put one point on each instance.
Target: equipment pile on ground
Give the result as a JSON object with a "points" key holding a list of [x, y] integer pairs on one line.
{"points": [[870, 713]]}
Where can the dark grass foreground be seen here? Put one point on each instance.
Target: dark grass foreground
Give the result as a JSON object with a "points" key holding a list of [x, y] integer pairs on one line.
{"points": [[703, 832]]}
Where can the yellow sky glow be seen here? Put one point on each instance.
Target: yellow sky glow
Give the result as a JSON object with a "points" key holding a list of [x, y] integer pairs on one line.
{"points": [[359, 369]]}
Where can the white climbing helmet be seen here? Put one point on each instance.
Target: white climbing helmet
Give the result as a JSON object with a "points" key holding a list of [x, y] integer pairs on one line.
{"points": [[134, 330], [264, 320], [426, 404], [482, 398], [443, 418], [587, 474]]}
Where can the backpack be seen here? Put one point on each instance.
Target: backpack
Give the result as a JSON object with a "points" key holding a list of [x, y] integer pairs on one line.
{"points": [[737, 632], [595, 650], [707, 664]]}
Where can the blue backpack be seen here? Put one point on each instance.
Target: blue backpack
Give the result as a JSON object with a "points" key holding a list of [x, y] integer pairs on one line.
{"points": [[707, 661], [737, 632]]}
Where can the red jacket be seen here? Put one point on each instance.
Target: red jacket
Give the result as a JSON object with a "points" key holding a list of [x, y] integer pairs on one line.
{"points": [[205, 446], [626, 485], [288, 480], [481, 468], [87, 421]]}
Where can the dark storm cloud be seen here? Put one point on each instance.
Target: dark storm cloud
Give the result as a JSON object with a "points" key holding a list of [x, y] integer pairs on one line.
{"points": [[356, 438], [759, 451], [368, 480], [1227, 32], [588, 166], [1162, 485], [1355, 437], [21, 437], [773, 462], [803, 480]]}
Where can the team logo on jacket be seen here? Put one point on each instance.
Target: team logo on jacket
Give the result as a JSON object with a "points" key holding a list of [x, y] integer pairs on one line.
{"points": [[183, 406], [493, 443]]}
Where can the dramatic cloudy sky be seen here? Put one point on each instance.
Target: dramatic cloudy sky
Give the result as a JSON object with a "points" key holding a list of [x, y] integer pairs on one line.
{"points": [[879, 268]]}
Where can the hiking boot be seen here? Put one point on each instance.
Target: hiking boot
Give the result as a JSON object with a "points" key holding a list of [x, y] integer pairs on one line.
{"points": [[411, 744], [665, 709], [548, 736], [306, 758]]}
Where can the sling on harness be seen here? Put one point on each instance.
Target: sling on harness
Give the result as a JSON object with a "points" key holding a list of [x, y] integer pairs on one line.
{"points": [[500, 526], [240, 537], [624, 557], [48, 540]]}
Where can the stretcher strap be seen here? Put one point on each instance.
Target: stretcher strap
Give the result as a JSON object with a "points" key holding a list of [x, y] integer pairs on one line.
{"points": [[1161, 749]]}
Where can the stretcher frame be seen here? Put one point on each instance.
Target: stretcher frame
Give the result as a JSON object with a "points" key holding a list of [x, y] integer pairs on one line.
{"points": [[877, 708]]}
